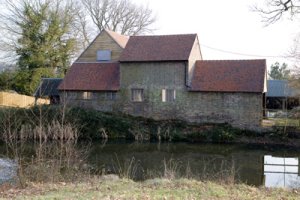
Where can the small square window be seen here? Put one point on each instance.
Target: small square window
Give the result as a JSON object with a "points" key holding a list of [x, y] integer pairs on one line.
{"points": [[110, 96], [87, 95], [168, 95], [103, 55], [137, 95], [71, 95]]}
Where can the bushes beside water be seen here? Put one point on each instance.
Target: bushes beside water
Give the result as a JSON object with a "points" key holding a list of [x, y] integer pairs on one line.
{"points": [[99, 125]]}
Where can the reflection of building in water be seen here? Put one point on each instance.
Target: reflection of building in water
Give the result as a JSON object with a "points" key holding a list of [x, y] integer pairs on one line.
{"points": [[281, 172]]}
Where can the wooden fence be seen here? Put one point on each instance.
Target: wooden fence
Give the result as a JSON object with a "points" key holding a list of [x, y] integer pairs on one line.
{"points": [[16, 100]]}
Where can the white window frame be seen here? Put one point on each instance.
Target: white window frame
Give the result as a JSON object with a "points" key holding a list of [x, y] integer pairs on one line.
{"points": [[86, 95], [168, 95], [137, 95]]}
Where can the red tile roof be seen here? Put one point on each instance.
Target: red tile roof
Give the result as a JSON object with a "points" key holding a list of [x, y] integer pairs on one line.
{"points": [[158, 48], [229, 76], [92, 77]]}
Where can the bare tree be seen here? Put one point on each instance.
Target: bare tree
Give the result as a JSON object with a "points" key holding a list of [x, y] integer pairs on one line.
{"points": [[82, 26], [273, 10], [121, 16]]}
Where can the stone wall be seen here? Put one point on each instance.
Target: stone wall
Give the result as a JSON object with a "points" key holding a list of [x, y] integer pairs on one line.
{"points": [[98, 101], [152, 78], [242, 110]]}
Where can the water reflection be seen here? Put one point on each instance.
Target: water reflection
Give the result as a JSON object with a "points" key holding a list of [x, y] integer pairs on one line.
{"points": [[8, 170], [246, 164], [281, 172]]}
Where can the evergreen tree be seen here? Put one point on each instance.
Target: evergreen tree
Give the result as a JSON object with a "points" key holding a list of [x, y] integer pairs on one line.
{"points": [[45, 45], [278, 72], [44, 41]]}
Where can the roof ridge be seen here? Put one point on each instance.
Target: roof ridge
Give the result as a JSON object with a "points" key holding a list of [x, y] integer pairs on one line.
{"points": [[51, 78], [165, 35], [230, 60]]}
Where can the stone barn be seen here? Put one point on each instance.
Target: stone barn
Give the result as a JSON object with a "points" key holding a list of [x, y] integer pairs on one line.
{"points": [[165, 77]]}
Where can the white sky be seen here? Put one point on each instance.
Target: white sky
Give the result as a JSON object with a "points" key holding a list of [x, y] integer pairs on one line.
{"points": [[228, 25]]}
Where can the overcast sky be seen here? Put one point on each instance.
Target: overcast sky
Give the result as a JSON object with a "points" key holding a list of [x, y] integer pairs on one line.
{"points": [[225, 26]]}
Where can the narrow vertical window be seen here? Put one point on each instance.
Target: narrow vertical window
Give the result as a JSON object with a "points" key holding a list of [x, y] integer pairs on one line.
{"points": [[168, 95], [163, 95], [137, 95]]}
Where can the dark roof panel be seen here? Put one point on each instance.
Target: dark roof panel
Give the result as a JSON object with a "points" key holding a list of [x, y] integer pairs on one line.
{"points": [[48, 87], [229, 76], [92, 77], [158, 48]]}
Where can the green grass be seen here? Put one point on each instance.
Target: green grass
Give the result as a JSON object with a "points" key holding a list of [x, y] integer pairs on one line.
{"points": [[151, 189], [281, 122], [286, 122]]}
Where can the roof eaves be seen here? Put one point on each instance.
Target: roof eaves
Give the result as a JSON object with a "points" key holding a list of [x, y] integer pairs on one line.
{"points": [[144, 61], [226, 91]]}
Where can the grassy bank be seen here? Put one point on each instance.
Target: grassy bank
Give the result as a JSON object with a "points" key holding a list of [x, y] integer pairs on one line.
{"points": [[103, 188], [93, 125]]}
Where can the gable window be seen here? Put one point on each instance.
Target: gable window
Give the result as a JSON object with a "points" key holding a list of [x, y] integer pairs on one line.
{"points": [[137, 95], [87, 95], [110, 96], [168, 95], [103, 55]]}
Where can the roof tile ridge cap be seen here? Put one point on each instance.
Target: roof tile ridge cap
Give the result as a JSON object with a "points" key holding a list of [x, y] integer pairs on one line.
{"points": [[230, 60], [166, 35], [80, 63], [110, 32]]}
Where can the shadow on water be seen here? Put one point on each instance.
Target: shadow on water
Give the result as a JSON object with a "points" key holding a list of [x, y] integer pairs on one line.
{"points": [[253, 165]]}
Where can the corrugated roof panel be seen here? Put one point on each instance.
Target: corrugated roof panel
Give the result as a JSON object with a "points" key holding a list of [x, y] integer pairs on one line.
{"points": [[280, 88]]}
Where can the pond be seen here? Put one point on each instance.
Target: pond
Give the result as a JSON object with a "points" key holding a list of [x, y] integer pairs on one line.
{"points": [[253, 165]]}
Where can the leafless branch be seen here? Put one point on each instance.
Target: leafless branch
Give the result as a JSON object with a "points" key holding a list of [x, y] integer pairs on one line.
{"points": [[274, 10], [121, 16]]}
